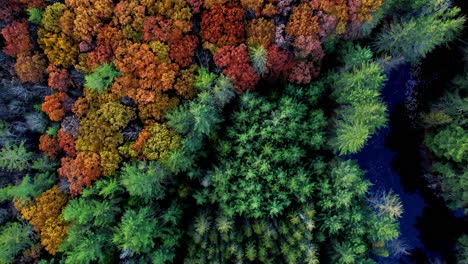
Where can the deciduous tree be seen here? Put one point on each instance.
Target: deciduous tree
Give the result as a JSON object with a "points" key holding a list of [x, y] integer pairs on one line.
{"points": [[17, 41], [80, 171], [31, 68], [53, 106], [235, 64]]}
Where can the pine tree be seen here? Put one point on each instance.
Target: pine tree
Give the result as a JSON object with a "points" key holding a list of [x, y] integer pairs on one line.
{"points": [[414, 37], [15, 157], [14, 237]]}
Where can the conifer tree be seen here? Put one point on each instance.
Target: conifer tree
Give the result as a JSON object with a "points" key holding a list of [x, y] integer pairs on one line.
{"points": [[435, 24]]}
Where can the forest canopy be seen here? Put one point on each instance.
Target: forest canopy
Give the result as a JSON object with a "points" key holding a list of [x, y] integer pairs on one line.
{"points": [[210, 131]]}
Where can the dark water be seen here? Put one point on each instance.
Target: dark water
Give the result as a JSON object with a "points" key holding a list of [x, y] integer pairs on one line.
{"points": [[392, 159]]}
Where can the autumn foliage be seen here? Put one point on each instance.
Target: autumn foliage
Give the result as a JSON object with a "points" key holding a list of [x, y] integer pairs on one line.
{"points": [[235, 64], [17, 41], [59, 79], [49, 145], [53, 106], [223, 25], [80, 171], [31, 68], [136, 80], [44, 214]]}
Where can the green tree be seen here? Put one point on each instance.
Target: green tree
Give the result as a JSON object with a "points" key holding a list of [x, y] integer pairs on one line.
{"points": [[144, 180], [262, 166], [462, 249], [357, 88], [258, 56], [14, 237], [15, 157], [450, 142], [413, 37], [35, 16], [101, 77], [28, 188], [136, 231], [354, 228]]}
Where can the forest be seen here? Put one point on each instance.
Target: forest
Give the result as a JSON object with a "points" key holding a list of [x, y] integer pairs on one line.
{"points": [[225, 131]]}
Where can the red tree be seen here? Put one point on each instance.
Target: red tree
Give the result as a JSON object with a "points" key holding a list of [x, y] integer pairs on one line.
{"points": [[66, 142], [278, 62], [102, 54], [8, 10], [223, 25], [17, 41], [235, 64], [81, 171], [157, 28], [303, 72], [59, 79], [49, 145], [182, 51]]}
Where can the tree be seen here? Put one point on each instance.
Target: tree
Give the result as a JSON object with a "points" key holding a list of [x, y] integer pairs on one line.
{"points": [[354, 228], [101, 130], [451, 143], [303, 72], [89, 16], [58, 47], [101, 77], [17, 41], [80, 171], [462, 246], [216, 237], [260, 32], [235, 64], [350, 138], [31, 68], [408, 38], [14, 237], [223, 25], [15, 157], [49, 145], [278, 62], [30, 187], [59, 79], [258, 56], [44, 215], [51, 17], [357, 88], [53, 106], [182, 51], [9, 10], [185, 83], [258, 174], [35, 15], [303, 28], [100, 55], [156, 142], [129, 16], [144, 180], [66, 142], [136, 231]]}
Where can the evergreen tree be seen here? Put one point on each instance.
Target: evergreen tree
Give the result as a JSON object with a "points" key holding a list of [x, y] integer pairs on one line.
{"points": [[14, 237], [357, 88], [414, 36], [263, 165], [15, 157]]}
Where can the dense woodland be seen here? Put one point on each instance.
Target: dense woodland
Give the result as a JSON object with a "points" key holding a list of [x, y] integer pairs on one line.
{"points": [[213, 131]]}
